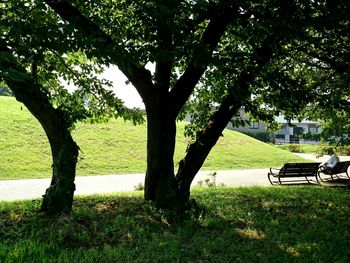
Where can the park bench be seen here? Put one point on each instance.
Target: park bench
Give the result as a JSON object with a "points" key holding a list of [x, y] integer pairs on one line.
{"points": [[339, 168], [293, 170]]}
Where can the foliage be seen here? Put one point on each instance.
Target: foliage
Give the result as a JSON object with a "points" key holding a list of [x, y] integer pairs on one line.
{"points": [[340, 150], [139, 187], [209, 181], [336, 128], [267, 56], [42, 43], [241, 224], [344, 150], [295, 148], [319, 150], [318, 70], [305, 148]]}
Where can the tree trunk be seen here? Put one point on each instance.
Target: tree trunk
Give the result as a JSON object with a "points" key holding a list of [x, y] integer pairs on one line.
{"points": [[207, 138], [205, 141], [59, 196], [160, 183]]}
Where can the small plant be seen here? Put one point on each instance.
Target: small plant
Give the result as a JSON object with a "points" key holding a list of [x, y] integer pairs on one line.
{"points": [[200, 183], [295, 148], [325, 149], [139, 187], [344, 150], [210, 181]]}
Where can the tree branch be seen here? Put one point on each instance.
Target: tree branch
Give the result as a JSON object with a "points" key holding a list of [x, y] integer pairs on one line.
{"points": [[197, 66], [339, 67], [138, 76], [30, 93]]}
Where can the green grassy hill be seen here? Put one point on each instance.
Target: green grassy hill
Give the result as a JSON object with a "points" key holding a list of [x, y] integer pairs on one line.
{"points": [[114, 147]]}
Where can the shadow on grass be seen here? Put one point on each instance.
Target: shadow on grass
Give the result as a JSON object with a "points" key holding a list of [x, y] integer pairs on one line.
{"points": [[337, 183], [271, 224]]}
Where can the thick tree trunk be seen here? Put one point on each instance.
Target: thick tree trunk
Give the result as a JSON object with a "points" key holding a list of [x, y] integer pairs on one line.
{"points": [[205, 141], [160, 183], [207, 138], [59, 196]]}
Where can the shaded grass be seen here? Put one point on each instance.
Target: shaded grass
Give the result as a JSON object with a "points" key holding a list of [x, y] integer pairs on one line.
{"points": [[271, 224], [115, 147]]}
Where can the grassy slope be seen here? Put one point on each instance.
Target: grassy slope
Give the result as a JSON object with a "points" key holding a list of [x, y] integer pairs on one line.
{"points": [[265, 224], [114, 147]]}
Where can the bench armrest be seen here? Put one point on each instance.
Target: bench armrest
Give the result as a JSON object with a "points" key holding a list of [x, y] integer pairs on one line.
{"points": [[323, 169], [274, 170]]}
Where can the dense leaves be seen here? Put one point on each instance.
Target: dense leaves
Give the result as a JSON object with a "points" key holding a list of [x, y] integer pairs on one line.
{"points": [[48, 47], [211, 58]]}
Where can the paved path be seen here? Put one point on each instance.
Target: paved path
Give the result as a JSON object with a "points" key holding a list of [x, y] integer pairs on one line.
{"points": [[35, 188]]}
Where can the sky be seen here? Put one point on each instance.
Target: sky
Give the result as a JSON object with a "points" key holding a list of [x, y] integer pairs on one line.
{"points": [[126, 92]]}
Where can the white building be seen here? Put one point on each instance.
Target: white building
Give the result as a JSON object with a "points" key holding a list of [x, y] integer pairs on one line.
{"points": [[290, 132], [293, 133], [253, 127]]}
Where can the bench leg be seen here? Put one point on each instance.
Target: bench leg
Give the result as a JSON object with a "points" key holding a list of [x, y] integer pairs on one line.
{"points": [[320, 178], [279, 180], [269, 175], [307, 179], [318, 175]]}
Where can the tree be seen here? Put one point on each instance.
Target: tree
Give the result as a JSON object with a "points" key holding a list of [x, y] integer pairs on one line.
{"points": [[165, 33], [319, 70], [59, 196], [185, 40], [32, 60]]}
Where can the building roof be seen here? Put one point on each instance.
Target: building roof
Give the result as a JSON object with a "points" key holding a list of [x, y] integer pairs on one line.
{"points": [[281, 119]]}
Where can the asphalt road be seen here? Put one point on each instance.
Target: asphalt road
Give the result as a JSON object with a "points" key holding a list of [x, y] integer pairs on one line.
{"points": [[35, 188]]}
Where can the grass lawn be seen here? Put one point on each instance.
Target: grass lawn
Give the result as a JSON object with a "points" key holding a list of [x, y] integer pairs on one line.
{"points": [[115, 147], [305, 148], [257, 224], [316, 149]]}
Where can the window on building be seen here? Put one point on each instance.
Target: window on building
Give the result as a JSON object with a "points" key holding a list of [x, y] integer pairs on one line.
{"points": [[298, 130], [254, 125]]}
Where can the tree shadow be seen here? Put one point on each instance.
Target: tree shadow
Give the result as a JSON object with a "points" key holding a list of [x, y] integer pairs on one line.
{"points": [[223, 225]]}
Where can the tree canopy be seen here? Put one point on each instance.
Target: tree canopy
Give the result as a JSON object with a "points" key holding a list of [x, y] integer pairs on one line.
{"points": [[212, 57], [36, 57]]}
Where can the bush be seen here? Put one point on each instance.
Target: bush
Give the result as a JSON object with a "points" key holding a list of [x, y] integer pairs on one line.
{"points": [[345, 150], [295, 148], [340, 150]]}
